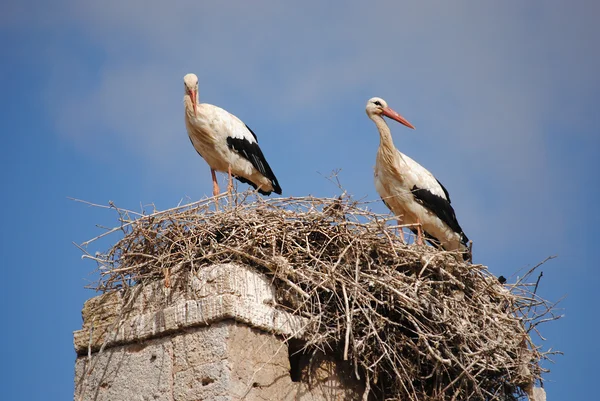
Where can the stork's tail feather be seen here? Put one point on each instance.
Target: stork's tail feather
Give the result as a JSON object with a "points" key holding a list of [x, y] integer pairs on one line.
{"points": [[276, 187]]}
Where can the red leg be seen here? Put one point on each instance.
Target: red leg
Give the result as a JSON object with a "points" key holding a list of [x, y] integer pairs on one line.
{"points": [[419, 233], [230, 184], [215, 183], [401, 233]]}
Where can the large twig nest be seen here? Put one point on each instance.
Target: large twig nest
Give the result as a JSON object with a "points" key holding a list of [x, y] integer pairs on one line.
{"points": [[417, 323]]}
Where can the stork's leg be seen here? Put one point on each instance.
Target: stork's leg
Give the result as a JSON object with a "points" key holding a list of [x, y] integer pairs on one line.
{"points": [[230, 184], [419, 233], [230, 187], [401, 233], [215, 183]]}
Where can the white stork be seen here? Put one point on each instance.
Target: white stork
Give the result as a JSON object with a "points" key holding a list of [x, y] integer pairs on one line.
{"points": [[226, 143], [409, 190]]}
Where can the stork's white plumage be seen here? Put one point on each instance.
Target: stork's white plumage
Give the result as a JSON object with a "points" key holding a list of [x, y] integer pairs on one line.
{"points": [[226, 143], [409, 190]]}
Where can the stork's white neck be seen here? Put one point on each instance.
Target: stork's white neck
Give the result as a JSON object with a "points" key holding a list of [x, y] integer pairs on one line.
{"points": [[385, 135], [189, 106]]}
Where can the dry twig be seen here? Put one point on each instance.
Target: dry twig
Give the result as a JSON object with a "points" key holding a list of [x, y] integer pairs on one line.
{"points": [[415, 322]]}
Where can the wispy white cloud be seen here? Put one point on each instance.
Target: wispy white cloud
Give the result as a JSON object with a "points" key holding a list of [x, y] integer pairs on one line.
{"points": [[480, 81]]}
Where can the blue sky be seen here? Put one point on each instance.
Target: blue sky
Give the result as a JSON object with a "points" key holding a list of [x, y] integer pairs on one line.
{"points": [[504, 97]]}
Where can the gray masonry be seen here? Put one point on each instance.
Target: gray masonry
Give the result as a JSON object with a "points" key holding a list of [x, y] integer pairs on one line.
{"points": [[213, 335]]}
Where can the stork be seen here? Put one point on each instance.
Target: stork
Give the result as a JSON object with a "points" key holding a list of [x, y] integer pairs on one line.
{"points": [[226, 143], [409, 190]]}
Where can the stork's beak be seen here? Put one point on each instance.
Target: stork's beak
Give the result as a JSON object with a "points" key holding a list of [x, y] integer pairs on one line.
{"points": [[194, 97], [388, 112]]}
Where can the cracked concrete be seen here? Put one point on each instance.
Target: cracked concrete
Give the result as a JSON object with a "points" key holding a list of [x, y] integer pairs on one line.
{"points": [[215, 336]]}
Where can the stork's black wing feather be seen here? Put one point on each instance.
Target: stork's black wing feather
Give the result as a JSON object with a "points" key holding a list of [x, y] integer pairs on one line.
{"points": [[445, 190], [251, 152], [440, 207], [252, 132]]}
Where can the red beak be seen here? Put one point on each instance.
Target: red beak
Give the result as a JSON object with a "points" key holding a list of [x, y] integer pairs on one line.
{"points": [[388, 112], [194, 96]]}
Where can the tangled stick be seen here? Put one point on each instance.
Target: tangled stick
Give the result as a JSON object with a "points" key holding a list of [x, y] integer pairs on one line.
{"points": [[413, 320]]}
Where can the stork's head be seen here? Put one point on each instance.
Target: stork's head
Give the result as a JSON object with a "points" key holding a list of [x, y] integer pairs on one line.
{"points": [[376, 106], [190, 84]]}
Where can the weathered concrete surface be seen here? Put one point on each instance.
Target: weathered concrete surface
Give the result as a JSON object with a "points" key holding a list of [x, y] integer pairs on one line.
{"points": [[213, 336], [225, 291]]}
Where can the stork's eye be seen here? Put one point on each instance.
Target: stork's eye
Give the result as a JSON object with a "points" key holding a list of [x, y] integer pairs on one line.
{"points": [[377, 103]]}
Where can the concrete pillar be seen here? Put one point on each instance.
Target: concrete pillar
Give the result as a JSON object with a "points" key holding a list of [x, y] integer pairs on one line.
{"points": [[213, 335]]}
